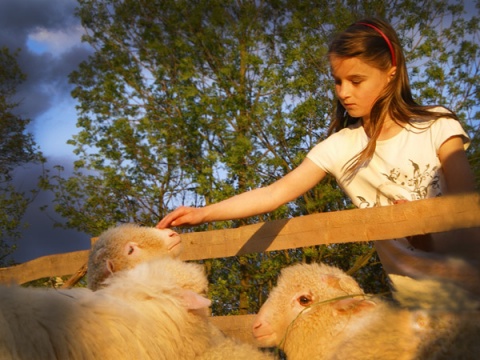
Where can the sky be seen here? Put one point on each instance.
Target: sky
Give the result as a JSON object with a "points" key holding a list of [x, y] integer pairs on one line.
{"points": [[49, 36]]}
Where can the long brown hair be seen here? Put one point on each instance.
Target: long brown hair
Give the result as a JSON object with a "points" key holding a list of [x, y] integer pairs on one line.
{"points": [[376, 43]]}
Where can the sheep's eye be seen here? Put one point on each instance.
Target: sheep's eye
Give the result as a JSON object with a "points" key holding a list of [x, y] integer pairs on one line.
{"points": [[304, 300], [130, 250]]}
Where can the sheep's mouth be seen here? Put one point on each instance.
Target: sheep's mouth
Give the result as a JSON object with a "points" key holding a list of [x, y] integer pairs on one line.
{"points": [[267, 339]]}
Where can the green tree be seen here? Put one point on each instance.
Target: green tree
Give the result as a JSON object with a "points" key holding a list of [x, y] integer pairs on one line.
{"points": [[16, 148], [190, 102]]}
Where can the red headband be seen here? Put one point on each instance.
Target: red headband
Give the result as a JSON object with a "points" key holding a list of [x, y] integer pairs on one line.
{"points": [[392, 52]]}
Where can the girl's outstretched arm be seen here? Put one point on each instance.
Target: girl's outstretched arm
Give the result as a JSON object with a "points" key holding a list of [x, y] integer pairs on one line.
{"points": [[250, 203]]}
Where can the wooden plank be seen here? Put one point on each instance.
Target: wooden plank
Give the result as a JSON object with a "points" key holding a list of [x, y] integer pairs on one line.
{"points": [[76, 277], [413, 218], [45, 266], [381, 223]]}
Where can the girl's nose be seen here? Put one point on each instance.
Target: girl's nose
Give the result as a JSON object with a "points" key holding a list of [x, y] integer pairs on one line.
{"points": [[342, 92]]}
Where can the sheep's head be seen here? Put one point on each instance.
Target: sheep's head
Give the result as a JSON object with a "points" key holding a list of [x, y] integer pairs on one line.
{"points": [[125, 246], [303, 291]]}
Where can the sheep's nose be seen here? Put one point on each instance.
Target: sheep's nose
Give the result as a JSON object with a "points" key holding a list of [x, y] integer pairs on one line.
{"points": [[257, 324]]}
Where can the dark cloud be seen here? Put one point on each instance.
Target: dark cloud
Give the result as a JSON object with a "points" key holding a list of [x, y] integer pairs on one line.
{"points": [[41, 237], [47, 72], [19, 18], [47, 86], [47, 79]]}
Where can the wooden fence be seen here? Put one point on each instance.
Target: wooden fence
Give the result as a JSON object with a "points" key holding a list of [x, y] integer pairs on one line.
{"points": [[372, 224]]}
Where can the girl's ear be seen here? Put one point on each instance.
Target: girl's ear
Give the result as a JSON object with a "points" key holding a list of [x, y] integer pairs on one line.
{"points": [[392, 72]]}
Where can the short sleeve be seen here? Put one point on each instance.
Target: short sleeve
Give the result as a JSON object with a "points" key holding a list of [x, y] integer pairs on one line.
{"points": [[338, 149], [445, 128], [319, 155]]}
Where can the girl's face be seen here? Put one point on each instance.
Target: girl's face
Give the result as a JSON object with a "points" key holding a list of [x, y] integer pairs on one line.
{"points": [[358, 85]]}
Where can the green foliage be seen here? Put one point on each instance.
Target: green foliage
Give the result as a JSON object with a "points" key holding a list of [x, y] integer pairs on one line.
{"points": [[16, 148], [55, 282], [190, 102]]}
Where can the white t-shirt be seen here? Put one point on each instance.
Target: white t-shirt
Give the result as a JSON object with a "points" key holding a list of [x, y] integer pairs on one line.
{"points": [[405, 166]]}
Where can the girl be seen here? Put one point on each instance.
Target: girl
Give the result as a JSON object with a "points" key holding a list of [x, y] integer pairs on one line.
{"points": [[384, 148]]}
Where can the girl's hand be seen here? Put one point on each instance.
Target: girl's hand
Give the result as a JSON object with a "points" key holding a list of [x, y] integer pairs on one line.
{"points": [[183, 215]]}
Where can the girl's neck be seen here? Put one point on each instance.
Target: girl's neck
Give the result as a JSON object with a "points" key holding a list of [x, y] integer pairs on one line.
{"points": [[390, 128]]}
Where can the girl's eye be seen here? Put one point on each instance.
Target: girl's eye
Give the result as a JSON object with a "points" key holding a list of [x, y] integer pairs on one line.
{"points": [[304, 300]]}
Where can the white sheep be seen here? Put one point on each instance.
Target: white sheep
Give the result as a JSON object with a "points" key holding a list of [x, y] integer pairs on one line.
{"points": [[223, 347], [318, 312], [196, 330], [124, 246], [153, 311]]}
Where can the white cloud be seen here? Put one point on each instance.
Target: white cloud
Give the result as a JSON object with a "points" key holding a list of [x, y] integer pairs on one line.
{"points": [[56, 42], [55, 127]]}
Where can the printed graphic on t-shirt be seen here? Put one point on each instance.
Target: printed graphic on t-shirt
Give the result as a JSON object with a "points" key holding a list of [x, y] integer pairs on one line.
{"points": [[418, 184]]}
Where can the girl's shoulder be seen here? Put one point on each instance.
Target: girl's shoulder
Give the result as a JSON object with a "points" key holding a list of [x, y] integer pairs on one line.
{"points": [[440, 109], [438, 127], [352, 134], [435, 116]]}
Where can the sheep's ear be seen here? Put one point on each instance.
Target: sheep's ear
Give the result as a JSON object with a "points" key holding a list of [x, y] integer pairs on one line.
{"points": [[194, 301], [346, 284], [131, 249], [330, 280], [109, 267], [353, 305]]}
